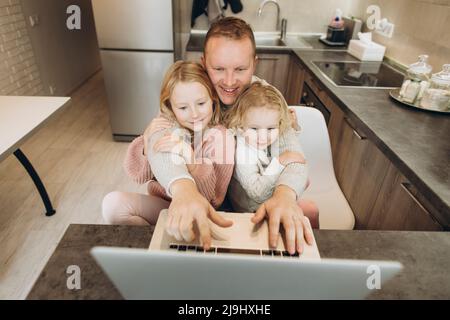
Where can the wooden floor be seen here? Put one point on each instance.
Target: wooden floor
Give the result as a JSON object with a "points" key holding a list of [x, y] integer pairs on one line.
{"points": [[79, 163]]}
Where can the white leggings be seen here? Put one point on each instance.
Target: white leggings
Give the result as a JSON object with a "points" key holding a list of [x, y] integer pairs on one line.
{"points": [[142, 209], [132, 208]]}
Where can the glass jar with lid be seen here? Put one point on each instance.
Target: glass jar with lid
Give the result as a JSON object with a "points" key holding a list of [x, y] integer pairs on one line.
{"points": [[416, 80], [437, 96]]}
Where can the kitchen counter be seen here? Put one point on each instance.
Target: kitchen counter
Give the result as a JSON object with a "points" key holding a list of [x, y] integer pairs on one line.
{"points": [[416, 141], [424, 256], [315, 44], [196, 41]]}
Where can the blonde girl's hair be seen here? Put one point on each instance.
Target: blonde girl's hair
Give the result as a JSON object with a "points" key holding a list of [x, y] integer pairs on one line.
{"points": [[187, 71], [258, 95]]}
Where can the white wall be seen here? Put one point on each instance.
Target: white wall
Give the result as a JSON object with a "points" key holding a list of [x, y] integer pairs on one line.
{"points": [[19, 73], [66, 58]]}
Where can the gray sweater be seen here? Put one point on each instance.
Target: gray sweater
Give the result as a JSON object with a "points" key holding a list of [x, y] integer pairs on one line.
{"points": [[257, 173]]}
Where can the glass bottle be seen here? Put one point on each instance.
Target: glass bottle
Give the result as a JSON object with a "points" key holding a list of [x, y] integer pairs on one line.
{"points": [[416, 80], [437, 96]]}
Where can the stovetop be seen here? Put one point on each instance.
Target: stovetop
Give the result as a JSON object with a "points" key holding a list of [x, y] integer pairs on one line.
{"points": [[377, 75]]}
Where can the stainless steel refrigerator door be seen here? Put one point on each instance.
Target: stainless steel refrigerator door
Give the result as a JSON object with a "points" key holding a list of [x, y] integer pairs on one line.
{"points": [[133, 83], [134, 24]]}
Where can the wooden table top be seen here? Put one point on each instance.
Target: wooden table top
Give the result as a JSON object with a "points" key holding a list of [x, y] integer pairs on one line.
{"points": [[21, 116]]}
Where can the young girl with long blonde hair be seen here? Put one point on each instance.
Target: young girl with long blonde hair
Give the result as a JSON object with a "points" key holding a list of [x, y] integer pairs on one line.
{"points": [[189, 102]]}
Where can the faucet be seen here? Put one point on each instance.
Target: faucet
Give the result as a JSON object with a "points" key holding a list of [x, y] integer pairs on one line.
{"points": [[283, 21]]}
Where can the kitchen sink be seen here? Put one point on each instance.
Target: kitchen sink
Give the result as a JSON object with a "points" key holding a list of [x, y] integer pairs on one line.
{"points": [[273, 41], [270, 40]]}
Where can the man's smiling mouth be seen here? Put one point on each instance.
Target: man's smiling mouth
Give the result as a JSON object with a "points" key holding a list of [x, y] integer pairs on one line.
{"points": [[229, 91]]}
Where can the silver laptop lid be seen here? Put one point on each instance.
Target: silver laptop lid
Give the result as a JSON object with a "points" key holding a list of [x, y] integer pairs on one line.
{"points": [[143, 274]]}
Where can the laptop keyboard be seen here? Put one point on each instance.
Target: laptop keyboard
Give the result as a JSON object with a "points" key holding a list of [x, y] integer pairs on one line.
{"points": [[216, 250]]}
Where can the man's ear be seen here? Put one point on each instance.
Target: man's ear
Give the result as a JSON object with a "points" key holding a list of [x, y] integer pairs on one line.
{"points": [[255, 63]]}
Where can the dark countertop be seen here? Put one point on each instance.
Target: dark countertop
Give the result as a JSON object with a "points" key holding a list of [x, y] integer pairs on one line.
{"points": [[196, 41], [416, 141], [314, 42], [424, 256]]}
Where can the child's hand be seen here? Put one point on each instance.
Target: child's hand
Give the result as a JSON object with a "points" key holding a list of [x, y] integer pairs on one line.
{"points": [[294, 121], [156, 125], [289, 157], [174, 144]]}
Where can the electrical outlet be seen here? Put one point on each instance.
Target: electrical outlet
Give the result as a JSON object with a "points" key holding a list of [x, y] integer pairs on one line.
{"points": [[34, 20], [52, 89], [385, 28]]}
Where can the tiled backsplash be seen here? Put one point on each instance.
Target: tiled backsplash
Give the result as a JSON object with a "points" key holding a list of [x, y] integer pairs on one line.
{"points": [[19, 74]]}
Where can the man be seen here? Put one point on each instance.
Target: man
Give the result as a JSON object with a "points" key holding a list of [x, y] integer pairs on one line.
{"points": [[230, 60]]}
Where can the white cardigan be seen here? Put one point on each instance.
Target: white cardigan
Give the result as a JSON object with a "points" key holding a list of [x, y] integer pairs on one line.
{"points": [[257, 173]]}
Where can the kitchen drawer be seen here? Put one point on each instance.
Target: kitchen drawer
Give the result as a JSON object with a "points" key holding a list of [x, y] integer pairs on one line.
{"points": [[314, 85], [295, 84], [362, 167], [310, 100], [400, 206], [274, 68]]}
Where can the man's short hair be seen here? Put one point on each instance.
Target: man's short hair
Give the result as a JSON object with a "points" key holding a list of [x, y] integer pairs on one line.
{"points": [[232, 28]]}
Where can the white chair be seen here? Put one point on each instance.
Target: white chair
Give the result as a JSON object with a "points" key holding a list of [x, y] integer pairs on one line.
{"points": [[334, 210]]}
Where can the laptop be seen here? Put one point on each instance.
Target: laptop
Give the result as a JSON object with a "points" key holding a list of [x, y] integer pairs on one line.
{"points": [[239, 265], [243, 237]]}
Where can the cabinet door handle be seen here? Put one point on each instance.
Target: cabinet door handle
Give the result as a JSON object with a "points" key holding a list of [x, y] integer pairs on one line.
{"points": [[268, 58], [360, 137], [405, 187], [315, 84]]}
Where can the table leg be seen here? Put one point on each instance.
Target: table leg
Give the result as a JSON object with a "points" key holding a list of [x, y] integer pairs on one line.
{"points": [[37, 181]]}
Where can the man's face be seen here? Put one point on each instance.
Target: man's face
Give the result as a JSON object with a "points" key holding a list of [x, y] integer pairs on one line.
{"points": [[230, 65]]}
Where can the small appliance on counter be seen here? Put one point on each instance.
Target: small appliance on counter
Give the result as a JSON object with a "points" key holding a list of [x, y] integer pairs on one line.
{"points": [[341, 30]]}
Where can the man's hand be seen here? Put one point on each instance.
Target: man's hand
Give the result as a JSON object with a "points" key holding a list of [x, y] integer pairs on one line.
{"points": [[189, 206], [283, 208], [155, 125]]}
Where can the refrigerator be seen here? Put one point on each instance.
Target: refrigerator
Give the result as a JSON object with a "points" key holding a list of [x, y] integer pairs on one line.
{"points": [[136, 44]]}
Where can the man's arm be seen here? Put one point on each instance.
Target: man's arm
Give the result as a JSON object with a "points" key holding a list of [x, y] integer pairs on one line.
{"points": [[188, 206], [295, 175], [166, 167]]}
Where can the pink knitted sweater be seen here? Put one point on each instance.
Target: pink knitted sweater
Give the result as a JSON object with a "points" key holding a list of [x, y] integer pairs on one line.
{"points": [[212, 171]]}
